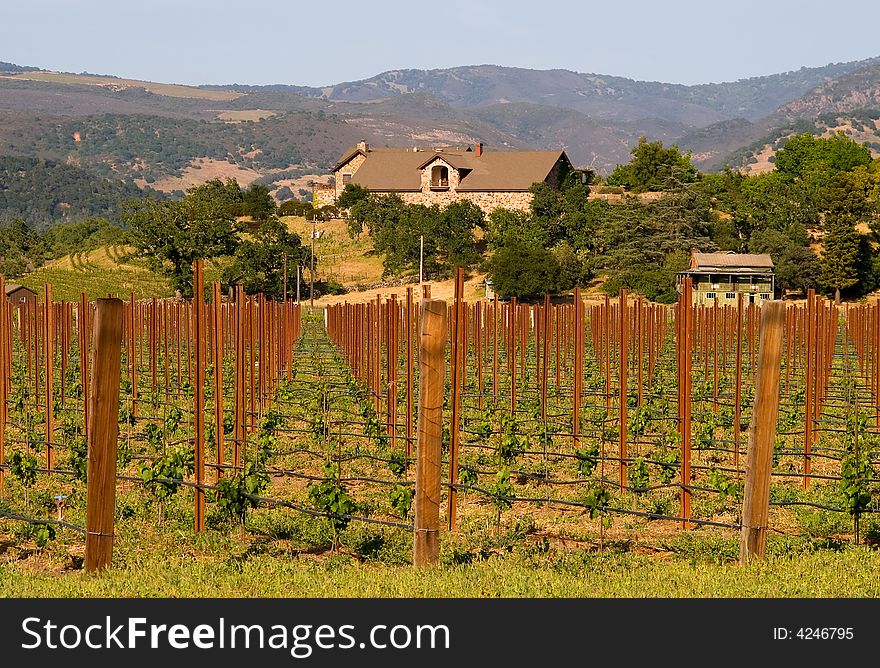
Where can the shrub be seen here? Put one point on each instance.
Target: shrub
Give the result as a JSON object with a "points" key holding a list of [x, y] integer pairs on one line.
{"points": [[524, 272]]}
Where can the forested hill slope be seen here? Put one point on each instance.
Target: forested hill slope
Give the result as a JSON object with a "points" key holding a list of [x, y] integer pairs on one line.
{"points": [[597, 95], [43, 191], [849, 104]]}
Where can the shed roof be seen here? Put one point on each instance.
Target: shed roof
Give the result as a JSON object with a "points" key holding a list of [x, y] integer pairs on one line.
{"points": [[13, 287], [399, 169], [731, 261]]}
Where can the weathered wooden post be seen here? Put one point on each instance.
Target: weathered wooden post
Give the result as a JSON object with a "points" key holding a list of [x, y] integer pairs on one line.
{"points": [[432, 368], [103, 432], [762, 432]]}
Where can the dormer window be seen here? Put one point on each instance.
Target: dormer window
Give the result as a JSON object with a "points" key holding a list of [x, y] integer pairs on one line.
{"points": [[439, 177]]}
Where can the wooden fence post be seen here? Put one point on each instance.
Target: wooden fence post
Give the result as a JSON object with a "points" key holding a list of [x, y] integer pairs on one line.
{"points": [[131, 353], [457, 362], [103, 432], [623, 340], [199, 327], [762, 432], [217, 324], [49, 361], [5, 332], [684, 346], [810, 382], [577, 384], [432, 368], [240, 415], [409, 373], [82, 325]]}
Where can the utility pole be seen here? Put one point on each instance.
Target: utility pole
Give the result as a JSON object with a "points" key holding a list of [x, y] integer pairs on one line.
{"points": [[421, 260]]}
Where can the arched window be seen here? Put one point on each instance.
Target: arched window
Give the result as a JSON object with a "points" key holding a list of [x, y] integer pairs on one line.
{"points": [[439, 176]]}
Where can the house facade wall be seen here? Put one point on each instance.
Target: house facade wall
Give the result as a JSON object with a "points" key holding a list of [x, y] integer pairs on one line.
{"points": [[728, 298], [327, 194], [724, 288], [348, 168], [487, 201], [324, 194]]}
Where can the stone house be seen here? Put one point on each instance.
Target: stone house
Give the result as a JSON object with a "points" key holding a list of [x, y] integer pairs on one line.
{"points": [[445, 174], [721, 277]]}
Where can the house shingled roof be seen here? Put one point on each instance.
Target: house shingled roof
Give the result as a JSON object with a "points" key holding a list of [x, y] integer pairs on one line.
{"points": [[721, 261], [399, 169]]}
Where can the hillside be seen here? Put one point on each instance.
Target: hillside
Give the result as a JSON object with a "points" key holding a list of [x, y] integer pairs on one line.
{"points": [[42, 191], [99, 273], [599, 146], [107, 270], [171, 136], [151, 146], [855, 90], [419, 118], [12, 68], [593, 94], [862, 126], [850, 103]]}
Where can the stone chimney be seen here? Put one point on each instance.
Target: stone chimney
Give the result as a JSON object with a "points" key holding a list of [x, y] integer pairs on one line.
{"points": [[363, 146], [478, 149]]}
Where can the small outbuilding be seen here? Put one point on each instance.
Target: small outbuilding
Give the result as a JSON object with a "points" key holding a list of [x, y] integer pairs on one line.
{"points": [[719, 278], [490, 291], [19, 295]]}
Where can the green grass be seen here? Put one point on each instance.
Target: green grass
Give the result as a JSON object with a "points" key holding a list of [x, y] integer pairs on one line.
{"points": [[851, 573], [287, 554], [340, 258]]}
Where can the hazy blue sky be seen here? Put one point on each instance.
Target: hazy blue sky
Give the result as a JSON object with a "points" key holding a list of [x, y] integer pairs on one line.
{"points": [[315, 43]]}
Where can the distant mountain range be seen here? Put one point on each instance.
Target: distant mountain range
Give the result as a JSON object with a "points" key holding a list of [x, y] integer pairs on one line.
{"points": [[169, 135]]}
